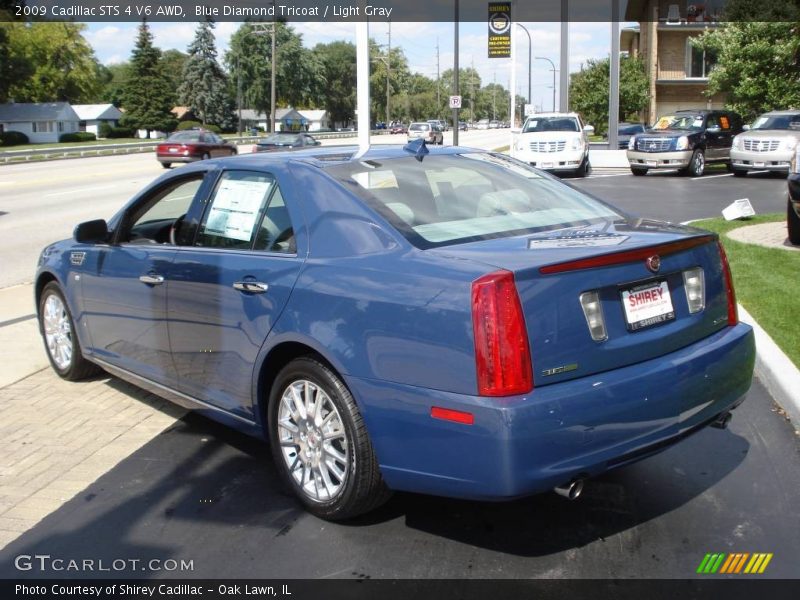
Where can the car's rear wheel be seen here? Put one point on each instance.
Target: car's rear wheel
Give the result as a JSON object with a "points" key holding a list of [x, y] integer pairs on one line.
{"points": [[206, 156], [166, 165], [697, 165], [60, 340], [638, 171], [320, 443], [792, 224]]}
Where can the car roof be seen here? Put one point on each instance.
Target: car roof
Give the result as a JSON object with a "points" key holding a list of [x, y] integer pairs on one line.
{"points": [[553, 114], [781, 113]]}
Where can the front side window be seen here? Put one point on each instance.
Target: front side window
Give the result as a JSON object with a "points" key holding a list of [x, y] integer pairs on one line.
{"points": [[247, 212], [459, 198], [155, 219]]}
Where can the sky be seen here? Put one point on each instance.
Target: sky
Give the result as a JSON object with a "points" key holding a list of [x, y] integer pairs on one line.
{"points": [[113, 42]]}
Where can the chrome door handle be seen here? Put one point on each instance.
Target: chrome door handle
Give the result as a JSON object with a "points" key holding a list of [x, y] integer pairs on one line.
{"points": [[151, 279], [254, 287]]}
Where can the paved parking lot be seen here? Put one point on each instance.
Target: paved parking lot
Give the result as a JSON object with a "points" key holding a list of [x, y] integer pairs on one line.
{"points": [[200, 491]]}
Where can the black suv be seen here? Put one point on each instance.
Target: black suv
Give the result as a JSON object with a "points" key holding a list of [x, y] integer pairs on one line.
{"points": [[793, 208], [685, 140]]}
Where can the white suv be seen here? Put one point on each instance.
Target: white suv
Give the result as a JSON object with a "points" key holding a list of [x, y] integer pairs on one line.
{"points": [[554, 142]]}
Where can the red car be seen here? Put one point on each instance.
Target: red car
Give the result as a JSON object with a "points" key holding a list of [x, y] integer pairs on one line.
{"points": [[191, 146], [398, 128]]}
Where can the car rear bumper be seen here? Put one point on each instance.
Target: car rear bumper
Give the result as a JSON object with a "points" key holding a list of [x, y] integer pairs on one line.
{"points": [[659, 160], [528, 444], [762, 161], [176, 158]]}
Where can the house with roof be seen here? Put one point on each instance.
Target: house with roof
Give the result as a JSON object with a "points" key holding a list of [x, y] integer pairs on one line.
{"points": [[42, 122], [317, 120], [677, 71], [287, 119], [92, 115]]}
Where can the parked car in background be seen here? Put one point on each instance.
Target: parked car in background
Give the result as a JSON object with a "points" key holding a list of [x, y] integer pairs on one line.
{"points": [[430, 132], [482, 124], [769, 144], [398, 128], [625, 132], [444, 321], [686, 140], [554, 142], [793, 203], [284, 141], [494, 124], [462, 126], [192, 145]]}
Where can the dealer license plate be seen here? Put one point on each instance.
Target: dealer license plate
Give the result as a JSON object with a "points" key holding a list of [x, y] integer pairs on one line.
{"points": [[647, 305], [173, 149], [652, 163], [758, 164], [547, 165]]}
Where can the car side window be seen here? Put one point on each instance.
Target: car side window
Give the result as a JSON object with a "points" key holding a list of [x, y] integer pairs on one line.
{"points": [[153, 219], [235, 210], [276, 233], [712, 121]]}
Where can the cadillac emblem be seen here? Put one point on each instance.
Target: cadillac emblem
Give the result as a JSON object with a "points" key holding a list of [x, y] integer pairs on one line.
{"points": [[653, 263]]}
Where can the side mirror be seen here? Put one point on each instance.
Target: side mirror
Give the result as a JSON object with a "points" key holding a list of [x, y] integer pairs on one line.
{"points": [[588, 129], [746, 127], [91, 232]]}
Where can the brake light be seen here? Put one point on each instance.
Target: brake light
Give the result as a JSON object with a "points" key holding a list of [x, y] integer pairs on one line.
{"points": [[502, 354], [733, 311]]}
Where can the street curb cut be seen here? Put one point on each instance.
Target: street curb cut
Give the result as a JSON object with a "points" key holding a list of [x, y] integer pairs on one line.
{"points": [[775, 370]]}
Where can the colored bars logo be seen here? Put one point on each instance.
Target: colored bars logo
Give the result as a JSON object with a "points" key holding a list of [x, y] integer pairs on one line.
{"points": [[741, 562]]}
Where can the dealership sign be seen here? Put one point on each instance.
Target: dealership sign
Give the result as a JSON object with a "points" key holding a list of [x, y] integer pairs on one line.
{"points": [[499, 29]]}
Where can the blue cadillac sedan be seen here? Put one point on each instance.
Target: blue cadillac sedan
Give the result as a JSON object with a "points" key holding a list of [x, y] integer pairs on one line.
{"points": [[449, 322]]}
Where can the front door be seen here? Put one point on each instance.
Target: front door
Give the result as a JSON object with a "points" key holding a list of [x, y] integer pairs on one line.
{"points": [[227, 291], [123, 284]]}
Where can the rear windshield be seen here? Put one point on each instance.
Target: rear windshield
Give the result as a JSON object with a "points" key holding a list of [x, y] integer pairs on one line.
{"points": [[539, 124], [457, 198], [185, 136], [279, 138], [778, 122], [419, 127]]}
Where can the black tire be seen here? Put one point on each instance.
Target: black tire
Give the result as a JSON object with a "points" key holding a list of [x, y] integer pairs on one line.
{"points": [[206, 156], [584, 169], [697, 165], [638, 171], [739, 172], [362, 488], [792, 224], [77, 367], [166, 165]]}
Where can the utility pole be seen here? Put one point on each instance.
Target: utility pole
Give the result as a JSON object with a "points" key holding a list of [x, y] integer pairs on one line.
{"points": [[388, 75], [455, 77], [438, 96], [494, 92], [239, 94], [472, 89], [261, 29]]}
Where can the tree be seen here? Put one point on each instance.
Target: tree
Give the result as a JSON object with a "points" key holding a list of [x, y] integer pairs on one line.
{"points": [[300, 79], [469, 84], [114, 78], [589, 88], [148, 97], [47, 62], [204, 88], [174, 61], [338, 60], [757, 65]]}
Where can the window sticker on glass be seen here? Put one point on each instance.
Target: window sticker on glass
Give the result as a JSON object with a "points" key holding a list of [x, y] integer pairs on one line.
{"points": [[698, 122], [723, 121], [236, 207], [663, 123]]}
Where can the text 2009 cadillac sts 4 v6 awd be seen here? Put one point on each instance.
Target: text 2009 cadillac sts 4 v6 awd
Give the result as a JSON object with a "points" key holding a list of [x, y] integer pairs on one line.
{"points": [[450, 322]]}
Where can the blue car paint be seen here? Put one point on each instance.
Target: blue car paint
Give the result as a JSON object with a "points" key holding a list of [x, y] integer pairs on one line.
{"points": [[395, 322]]}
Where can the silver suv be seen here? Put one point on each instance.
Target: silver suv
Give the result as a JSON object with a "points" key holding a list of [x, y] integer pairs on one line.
{"points": [[768, 145]]}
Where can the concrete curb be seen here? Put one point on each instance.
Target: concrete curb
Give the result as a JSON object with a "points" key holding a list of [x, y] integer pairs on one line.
{"points": [[775, 370]]}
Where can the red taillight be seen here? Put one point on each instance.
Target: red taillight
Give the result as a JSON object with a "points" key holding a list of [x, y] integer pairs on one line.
{"points": [[733, 311], [502, 355]]}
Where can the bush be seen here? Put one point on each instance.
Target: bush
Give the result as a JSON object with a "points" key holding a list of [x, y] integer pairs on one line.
{"points": [[104, 130], [13, 138], [119, 132], [78, 136], [183, 125]]}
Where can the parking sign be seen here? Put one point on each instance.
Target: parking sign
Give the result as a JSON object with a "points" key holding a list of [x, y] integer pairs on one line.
{"points": [[455, 101]]}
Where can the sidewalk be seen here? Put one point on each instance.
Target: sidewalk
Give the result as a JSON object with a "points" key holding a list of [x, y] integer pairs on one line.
{"points": [[770, 235], [21, 349]]}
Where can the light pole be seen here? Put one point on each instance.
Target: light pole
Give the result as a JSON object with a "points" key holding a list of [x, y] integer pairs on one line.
{"points": [[258, 30], [553, 67], [530, 49]]}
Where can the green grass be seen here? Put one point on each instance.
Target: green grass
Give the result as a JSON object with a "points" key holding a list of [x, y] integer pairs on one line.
{"points": [[766, 282], [59, 145]]}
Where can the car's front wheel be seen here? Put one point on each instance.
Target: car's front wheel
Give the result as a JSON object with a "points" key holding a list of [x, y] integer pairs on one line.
{"points": [[793, 224], [697, 165], [638, 171], [60, 340], [320, 443], [166, 165]]}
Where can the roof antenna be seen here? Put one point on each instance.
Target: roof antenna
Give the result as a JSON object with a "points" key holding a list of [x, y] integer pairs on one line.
{"points": [[362, 87], [417, 148]]}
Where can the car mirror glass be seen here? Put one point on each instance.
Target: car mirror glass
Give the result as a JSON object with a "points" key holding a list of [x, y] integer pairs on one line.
{"points": [[91, 232]]}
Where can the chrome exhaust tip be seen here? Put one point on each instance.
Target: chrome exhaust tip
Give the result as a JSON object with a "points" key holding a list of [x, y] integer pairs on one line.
{"points": [[571, 491], [722, 421]]}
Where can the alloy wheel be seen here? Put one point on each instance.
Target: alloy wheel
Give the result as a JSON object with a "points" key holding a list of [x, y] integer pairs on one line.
{"points": [[58, 331]]}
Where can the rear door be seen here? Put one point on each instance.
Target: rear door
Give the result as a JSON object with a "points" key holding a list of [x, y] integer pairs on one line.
{"points": [[228, 289]]}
